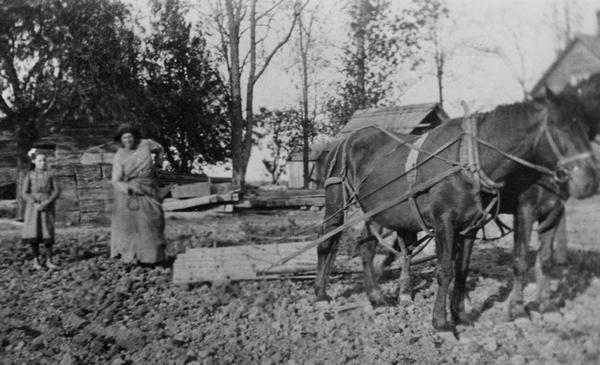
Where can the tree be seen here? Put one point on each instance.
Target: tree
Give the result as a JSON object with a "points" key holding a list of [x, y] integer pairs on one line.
{"points": [[241, 25], [29, 49], [285, 133], [186, 98], [381, 44], [565, 22]]}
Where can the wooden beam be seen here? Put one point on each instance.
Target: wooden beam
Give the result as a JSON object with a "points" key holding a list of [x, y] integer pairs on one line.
{"points": [[176, 204]]}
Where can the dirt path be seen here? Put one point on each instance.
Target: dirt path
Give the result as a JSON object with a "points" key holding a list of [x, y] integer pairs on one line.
{"points": [[95, 310]]}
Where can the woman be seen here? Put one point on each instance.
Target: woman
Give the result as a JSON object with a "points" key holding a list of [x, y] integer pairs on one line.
{"points": [[137, 229]]}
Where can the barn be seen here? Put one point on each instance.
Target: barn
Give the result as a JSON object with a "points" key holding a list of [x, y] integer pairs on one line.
{"points": [[405, 119], [580, 59]]}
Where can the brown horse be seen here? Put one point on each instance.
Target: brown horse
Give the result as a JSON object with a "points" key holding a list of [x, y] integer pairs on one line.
{"points": [[541, 132], [531, 198]]}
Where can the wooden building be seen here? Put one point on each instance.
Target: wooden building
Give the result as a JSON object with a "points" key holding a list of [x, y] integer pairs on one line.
{"points": [[579, 60], [405, 119]]}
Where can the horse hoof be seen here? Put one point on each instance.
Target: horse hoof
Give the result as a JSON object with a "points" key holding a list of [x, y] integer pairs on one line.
{"points": [[324, 298], [404, 298], [516, 311], [549, 306], [377, 300], [443, 326]]}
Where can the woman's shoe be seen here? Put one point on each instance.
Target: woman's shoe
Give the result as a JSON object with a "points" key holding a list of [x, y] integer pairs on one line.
{"points": [[36, 264], [50, 264]]}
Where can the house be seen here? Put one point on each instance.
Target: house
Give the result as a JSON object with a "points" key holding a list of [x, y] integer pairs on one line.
{"points": [[405, 119], [295, 167], [580, 59]]}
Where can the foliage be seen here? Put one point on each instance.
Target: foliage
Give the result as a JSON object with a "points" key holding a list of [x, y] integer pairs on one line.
{"points": [[285, 137], [186, 101], [382, 45]]}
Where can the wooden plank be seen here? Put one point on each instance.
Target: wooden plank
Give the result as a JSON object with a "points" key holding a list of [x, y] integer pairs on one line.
{"points": [[89, 158], [88, 173], [63, 170], [287, 203], [96, 218], [247, 263], [94, 205], [95, 193], [175, 204], [190, 190], [221, 188]]}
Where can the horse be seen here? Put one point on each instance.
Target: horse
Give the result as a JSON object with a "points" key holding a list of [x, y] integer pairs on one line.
{"points": [[531, 197], [541, 132]]}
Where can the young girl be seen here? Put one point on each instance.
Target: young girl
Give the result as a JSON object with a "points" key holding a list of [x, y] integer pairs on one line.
{"points": [[40, 191]]}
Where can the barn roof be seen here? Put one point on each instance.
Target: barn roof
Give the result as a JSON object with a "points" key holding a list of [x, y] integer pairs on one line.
{"points": [[591, 42], [398, 119]]}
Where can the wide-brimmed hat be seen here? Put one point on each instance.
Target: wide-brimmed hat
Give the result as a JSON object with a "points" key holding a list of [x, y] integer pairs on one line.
{"points": [[127, 128]]}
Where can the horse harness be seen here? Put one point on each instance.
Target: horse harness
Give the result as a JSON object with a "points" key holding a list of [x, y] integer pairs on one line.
{"points": [[469, 165]]}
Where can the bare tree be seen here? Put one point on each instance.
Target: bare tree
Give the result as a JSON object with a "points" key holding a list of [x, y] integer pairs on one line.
{"points": [[565, 20], [241, 26]]}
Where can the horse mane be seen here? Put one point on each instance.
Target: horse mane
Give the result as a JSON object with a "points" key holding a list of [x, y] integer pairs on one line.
{"points": [[515, 111]]}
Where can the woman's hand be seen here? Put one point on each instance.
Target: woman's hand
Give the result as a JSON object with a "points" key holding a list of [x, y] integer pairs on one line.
{"points": [[134, 189]]}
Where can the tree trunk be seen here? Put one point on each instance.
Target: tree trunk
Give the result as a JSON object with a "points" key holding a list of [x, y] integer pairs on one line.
{"points": [[361, 53], [305, 120], [235, 107]]}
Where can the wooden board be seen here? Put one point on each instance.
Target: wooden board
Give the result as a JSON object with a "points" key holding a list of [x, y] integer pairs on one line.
{"points": [[248, 262], [190, 190], [176, 204], [221, 188]]}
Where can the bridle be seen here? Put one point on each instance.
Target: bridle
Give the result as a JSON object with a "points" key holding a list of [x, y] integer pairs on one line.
{"points": [[565, 164]]}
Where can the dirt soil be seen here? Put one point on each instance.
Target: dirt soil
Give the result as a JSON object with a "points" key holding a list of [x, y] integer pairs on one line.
{"points": [[95, 310]]}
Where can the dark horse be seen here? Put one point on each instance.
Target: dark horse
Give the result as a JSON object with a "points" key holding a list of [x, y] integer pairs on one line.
{"points": [[531, 197], [371, 160]]}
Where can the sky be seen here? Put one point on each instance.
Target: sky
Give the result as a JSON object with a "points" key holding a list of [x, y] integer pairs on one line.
{"points": [[519, 31]]}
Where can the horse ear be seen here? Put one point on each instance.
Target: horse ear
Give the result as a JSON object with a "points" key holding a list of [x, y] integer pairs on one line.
{"points": [[550, 95]]}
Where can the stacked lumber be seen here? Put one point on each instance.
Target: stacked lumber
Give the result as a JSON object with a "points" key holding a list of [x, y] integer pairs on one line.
{"points": [[86, 195]]}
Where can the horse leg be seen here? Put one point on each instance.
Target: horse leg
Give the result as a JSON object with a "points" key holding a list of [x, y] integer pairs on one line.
{"points": [[367, 245], [524, 219], [461, 272], [444, 247], [404, 240], [543, 264], [334, 202], [560, 239]]}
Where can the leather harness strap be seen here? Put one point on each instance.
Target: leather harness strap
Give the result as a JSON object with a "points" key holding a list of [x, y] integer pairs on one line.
{"points": [[411, 176]]}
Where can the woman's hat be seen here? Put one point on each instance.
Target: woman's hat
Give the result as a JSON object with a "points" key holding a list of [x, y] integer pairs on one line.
{"points": [[127, 128]]}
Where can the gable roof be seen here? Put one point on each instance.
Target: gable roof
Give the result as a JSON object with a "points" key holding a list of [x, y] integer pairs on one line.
{"points": [[398, 119], [592, 43]]}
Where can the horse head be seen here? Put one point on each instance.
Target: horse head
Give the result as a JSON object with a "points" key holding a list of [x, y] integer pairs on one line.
{"points": [[563, 141], [588, 92]]}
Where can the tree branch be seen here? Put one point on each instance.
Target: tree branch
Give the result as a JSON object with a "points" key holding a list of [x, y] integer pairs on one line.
{"points": [[279, 45]]}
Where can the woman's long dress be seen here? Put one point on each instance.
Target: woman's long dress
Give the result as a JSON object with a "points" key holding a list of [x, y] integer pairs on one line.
{"points": [[137, 228], [39, 187]]}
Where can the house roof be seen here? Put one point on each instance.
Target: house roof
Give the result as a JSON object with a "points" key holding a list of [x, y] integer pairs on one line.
{"points": [[398, 119], [591, 42]]}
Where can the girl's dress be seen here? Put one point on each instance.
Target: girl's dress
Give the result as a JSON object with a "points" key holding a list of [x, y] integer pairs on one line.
{"points": [[39, 187], [137, 228]]}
